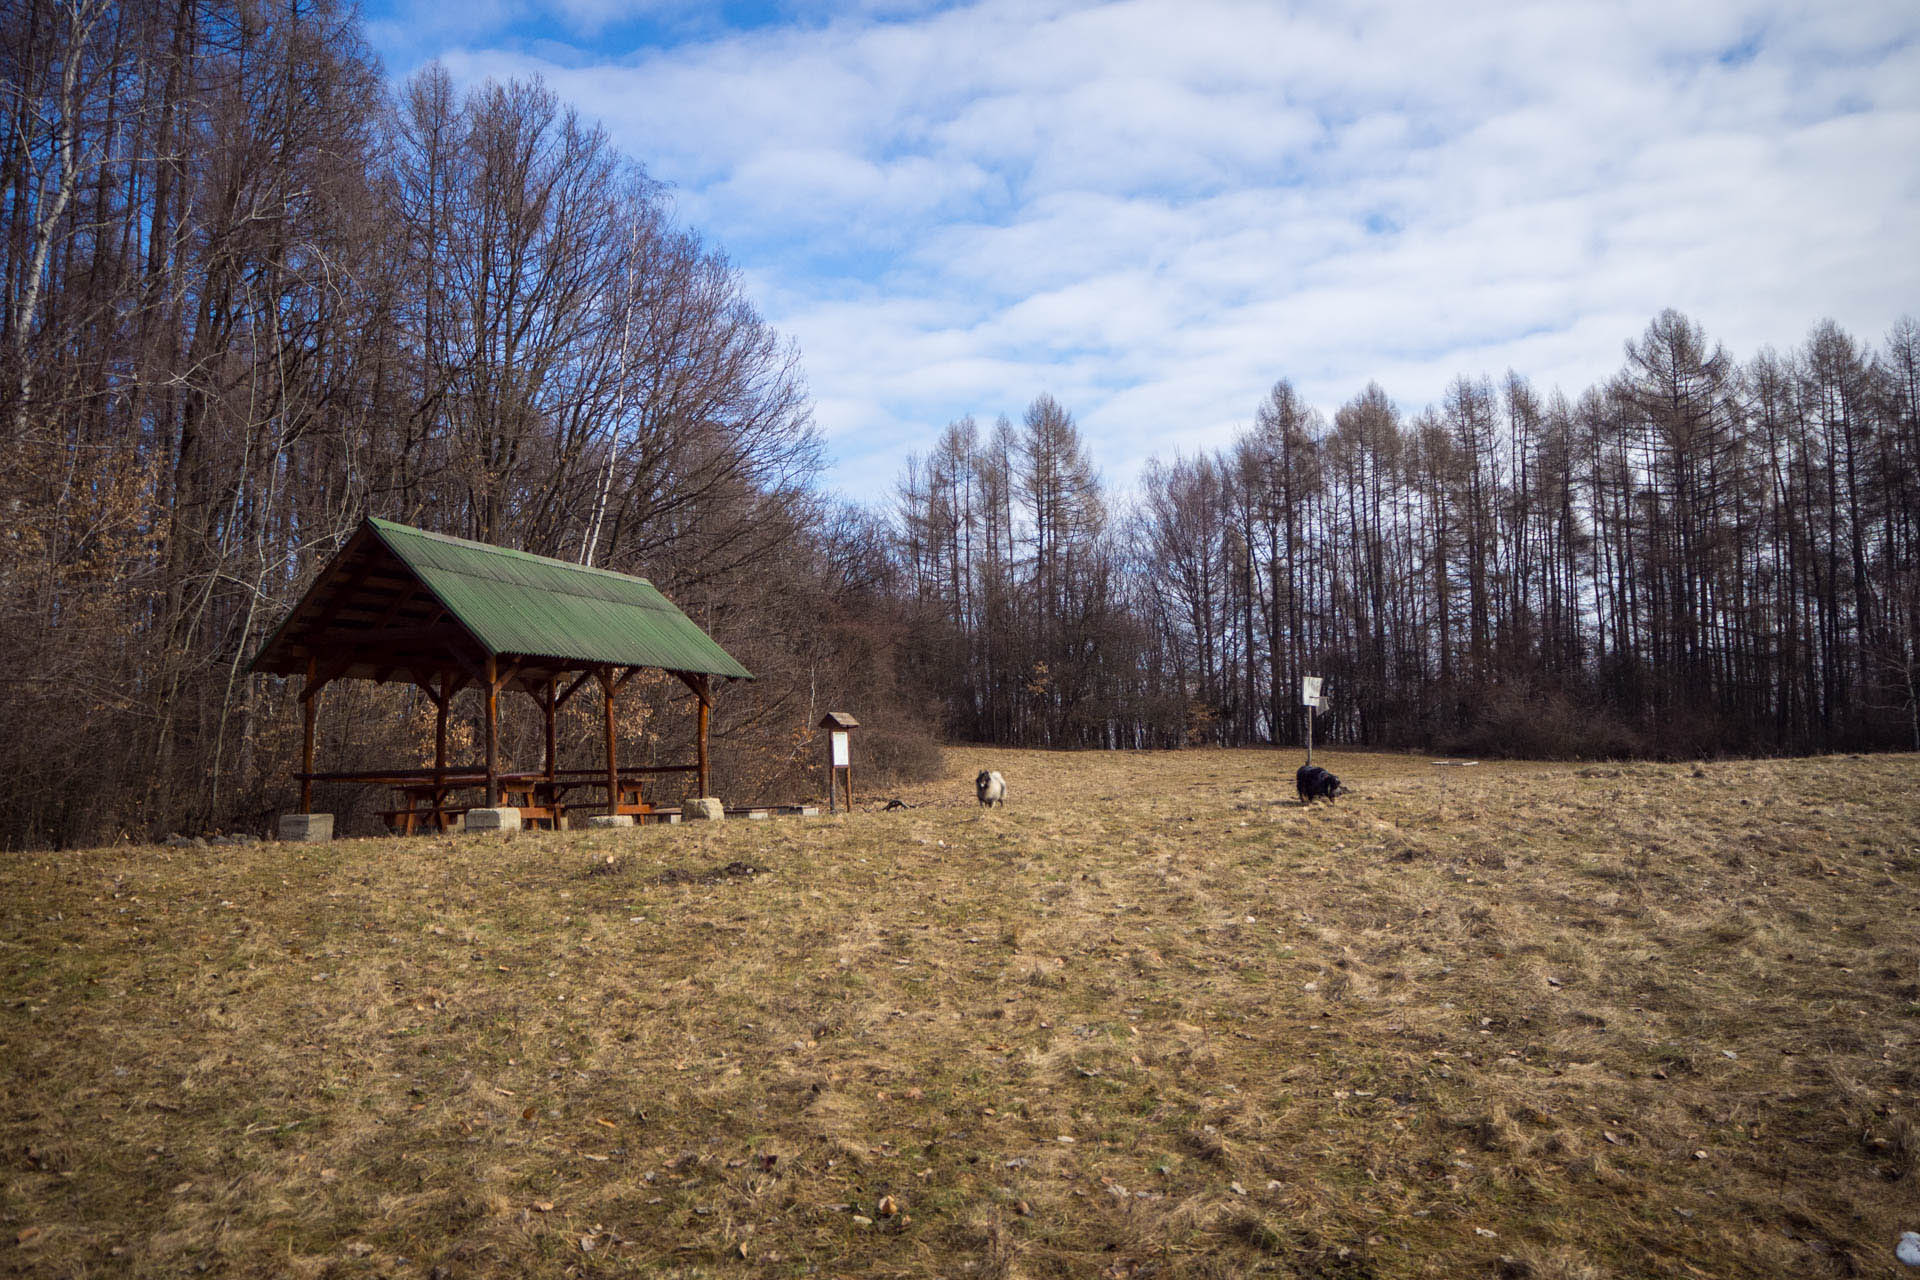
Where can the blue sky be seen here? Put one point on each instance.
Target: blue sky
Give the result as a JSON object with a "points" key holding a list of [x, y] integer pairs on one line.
{"points": [[1154, 210]]}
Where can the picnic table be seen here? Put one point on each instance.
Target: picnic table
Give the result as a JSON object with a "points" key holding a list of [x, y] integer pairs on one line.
{"points": [[424, 798]]}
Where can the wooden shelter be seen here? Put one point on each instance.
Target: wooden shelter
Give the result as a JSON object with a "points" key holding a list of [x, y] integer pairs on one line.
{"points": [[401, 604]]}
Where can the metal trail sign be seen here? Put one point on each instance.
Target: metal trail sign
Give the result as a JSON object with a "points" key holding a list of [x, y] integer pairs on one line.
{"points": [[1313, 700]]}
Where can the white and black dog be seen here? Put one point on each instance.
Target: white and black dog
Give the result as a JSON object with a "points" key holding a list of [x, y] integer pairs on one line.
{"points": [[1315, 783], [991, 788]]}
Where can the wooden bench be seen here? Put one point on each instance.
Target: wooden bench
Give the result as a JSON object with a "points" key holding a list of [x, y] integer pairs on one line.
{"points": [[406, 822], [541, 800]]}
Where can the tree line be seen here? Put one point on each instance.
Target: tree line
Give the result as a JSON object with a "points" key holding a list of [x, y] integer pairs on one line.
{"points": [[252, 294], [1697, 557]]}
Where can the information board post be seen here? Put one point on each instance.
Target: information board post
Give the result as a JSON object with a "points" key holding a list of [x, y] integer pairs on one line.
{"points": [[839, 757], [1312, 700]]}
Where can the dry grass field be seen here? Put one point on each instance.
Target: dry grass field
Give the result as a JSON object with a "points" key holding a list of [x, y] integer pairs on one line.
{"points": [[1152, 1019]]}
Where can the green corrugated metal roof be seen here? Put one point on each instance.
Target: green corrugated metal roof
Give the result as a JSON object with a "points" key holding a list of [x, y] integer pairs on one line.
{"points": [[525, 604]]}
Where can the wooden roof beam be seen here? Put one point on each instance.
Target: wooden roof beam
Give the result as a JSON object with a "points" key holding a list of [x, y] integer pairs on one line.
{"points": [[369, 556]]}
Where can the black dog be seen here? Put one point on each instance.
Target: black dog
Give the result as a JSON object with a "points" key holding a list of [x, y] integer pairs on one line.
{"points": [[1315, 783]]}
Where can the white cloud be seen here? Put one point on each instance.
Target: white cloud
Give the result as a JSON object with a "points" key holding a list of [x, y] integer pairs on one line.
{"points": [[1154, 209]]}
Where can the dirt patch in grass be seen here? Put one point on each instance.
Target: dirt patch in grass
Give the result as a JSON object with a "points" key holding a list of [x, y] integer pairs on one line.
{"points": [[1153, 1018], [714, 875]]}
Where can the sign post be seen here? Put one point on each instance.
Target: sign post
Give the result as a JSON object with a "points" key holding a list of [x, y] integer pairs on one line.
{"points": [[839, 757], [1312, 699]]}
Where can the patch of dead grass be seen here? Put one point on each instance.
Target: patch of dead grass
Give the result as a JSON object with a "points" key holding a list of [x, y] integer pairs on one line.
{"points": [[1154, 1018]]}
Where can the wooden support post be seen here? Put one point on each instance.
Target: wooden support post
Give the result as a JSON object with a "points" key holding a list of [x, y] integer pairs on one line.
{"points": [[703, 691], [849, 772], [493, 732], [549, 705], [307, 713], [702, 686], [613, 765], [441, 701]]}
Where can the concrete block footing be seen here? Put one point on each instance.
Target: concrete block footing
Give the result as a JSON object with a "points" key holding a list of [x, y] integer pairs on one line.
{"points": [[493, 821], [306, 828], [610, 820], [702, 809]]}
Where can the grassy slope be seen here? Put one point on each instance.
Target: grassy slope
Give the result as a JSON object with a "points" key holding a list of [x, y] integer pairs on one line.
{"points": [[1153, 1019]]}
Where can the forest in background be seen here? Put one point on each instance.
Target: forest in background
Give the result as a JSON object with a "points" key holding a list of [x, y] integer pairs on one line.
{"points": [[253, 293], [1699, 557]]}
